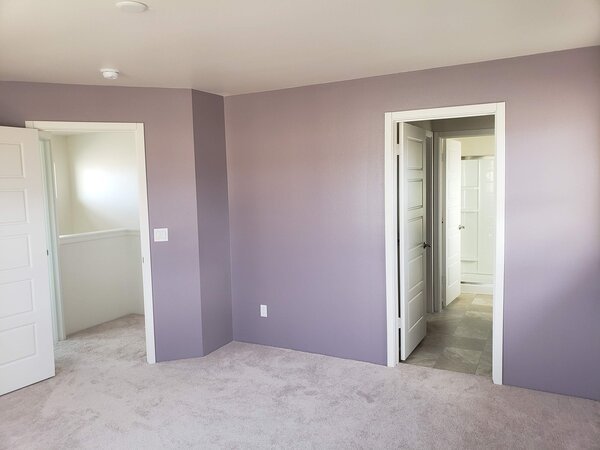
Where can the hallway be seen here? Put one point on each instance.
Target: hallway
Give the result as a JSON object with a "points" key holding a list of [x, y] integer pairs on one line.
{"points": [[459, 338]]}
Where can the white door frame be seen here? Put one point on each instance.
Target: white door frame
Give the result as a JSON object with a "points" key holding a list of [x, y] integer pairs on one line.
{"points": [[58, 326], [138, 130], [391, 221]]}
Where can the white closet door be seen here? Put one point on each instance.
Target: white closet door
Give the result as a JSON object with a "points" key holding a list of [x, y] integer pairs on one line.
{"points": [[413, 226], [453, 215], [26, 342]]}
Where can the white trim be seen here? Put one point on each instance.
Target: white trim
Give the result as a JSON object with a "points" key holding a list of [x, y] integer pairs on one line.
{"points": [[430, 214], [66, 239], [391, 240], [145, 241], [498, 299], [82, 127], [450, 112], [391, 217], [138, 130], [58, 325], [439, 244]]}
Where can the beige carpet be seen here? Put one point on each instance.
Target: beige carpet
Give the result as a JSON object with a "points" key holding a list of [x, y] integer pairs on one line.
{"points": [[249, 396]]}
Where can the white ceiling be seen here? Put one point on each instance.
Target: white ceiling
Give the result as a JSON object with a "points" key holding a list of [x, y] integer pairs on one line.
{"points": [[238, 46]]}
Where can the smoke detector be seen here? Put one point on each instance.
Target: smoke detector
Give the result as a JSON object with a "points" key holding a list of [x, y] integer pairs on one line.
{"points": [[132, 7], [110, 74]]}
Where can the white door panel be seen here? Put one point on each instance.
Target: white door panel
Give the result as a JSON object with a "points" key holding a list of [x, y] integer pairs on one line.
{"points": [[453, 219], [412, 229], [26, 342]]}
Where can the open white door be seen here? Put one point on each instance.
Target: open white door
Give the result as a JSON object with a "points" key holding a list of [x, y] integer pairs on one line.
{"points": [[412, 224], [26, 342], [453, 214]]}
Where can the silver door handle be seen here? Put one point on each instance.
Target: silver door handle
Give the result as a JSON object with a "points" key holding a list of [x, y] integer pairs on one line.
{"points": [[461, 227]]}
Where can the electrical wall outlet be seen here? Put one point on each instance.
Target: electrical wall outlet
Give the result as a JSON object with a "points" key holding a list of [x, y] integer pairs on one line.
{"points": [[263, 310], [161, 234]]}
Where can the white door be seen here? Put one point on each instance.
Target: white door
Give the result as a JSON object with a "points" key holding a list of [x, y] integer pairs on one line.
{"points": [[453, 215], [412, 234], [26, 342]]}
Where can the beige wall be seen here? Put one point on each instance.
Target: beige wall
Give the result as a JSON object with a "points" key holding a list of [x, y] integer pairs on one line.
{"points": [[101, 278], [477, 146], [96, 182], [62, 177]]}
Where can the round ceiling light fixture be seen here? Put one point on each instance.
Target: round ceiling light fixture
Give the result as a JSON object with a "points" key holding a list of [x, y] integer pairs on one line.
{"points": [[131, 6], [110, 74]]}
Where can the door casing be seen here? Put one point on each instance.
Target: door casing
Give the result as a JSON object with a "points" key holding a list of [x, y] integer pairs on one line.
{"points": [[392, 248]]}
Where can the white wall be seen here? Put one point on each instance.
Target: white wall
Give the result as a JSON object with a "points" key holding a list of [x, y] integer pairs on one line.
{"points": [[62, 178], [97, 188], [101, 277]]}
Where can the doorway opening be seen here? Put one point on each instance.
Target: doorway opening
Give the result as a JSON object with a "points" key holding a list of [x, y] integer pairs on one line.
{"points": [[444, 209], [98, 229]]}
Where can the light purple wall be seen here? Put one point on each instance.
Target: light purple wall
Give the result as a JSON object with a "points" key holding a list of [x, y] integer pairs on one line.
{"points": [[306, 202], [213, 219], [171, 176]]}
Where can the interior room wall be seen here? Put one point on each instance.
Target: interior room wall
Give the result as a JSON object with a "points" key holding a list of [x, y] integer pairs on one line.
{"points": [[213, 219], [456, 124], [101, 277], [103, 181], [477, 145], [306, 180], [463, 124], [62, 178], [171, 176]]}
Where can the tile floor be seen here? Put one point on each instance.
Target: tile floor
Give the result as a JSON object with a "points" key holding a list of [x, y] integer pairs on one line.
{"points": [[459, 338]]}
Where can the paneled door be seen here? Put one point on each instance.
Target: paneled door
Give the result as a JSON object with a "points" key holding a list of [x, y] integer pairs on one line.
{"points": [[412, 222], [26, 341], [453, 216]]}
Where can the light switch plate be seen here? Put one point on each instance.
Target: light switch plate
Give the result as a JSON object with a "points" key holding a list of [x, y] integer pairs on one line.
{"points": [[161, 234], [263, 310]]}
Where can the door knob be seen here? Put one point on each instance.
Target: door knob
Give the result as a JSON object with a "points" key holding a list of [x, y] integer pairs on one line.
{"points": [[461, 227], [426, 245]]}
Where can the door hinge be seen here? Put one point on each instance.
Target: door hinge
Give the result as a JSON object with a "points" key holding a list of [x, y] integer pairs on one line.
{"points": [[47, 252]]}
